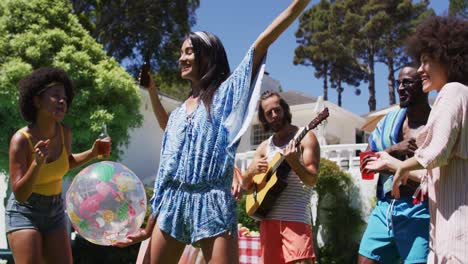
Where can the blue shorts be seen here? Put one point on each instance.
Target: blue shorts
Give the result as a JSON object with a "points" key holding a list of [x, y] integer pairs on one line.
{"points": [[190, 213], [43, 213], [398, 231]]}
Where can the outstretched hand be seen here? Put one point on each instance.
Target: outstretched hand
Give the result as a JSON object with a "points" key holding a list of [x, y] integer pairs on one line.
{"points": [[137, 237], [381, 161]]}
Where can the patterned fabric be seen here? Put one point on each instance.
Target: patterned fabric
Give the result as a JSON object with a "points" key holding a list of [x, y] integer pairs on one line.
{"points": [[446, 147], [192, 198], [386, 134], [250, 250]]}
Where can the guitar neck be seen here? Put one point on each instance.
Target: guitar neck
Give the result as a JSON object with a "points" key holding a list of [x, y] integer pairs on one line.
{"points": [[298, 138], [322, 116]]}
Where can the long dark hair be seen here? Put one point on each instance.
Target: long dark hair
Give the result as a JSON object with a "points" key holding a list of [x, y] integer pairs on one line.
{"points": [[212, 63], [261, 112]]}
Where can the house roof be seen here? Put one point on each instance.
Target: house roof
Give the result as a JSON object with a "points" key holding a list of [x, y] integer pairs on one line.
{"points": [[372, 118], [296, 98]]}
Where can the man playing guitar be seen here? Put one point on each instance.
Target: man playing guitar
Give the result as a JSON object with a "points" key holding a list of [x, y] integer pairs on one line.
{"points": [[286, 232]]}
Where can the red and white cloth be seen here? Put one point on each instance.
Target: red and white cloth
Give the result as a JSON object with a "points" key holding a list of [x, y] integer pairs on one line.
{"points": [[250, 250]]}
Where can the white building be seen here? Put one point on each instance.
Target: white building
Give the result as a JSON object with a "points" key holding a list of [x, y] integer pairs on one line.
{"points": [[144, 148]]}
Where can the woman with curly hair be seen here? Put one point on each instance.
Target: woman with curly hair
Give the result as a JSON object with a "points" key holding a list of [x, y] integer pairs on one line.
{"points": [[441, 45], [40, 155]]}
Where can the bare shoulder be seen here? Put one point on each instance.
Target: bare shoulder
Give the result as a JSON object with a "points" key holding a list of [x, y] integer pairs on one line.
{"points": [[19, 141], [310, 138]]}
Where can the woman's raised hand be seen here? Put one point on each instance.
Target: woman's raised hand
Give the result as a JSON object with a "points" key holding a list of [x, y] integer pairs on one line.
{"points": [[41, 151]]}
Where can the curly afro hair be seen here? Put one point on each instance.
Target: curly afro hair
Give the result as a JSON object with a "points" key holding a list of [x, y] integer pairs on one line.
{"points": [[444, 39], [35, 83]]}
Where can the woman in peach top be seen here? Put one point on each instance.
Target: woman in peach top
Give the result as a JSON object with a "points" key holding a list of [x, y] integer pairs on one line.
{"points": [[441, 45]]}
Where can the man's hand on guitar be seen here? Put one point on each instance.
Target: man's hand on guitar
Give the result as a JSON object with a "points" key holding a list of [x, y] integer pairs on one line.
{"points": [[291, 153], [260, 165]]}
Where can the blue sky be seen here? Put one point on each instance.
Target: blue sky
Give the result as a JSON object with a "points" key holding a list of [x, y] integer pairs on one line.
{"points": [[238, 23]]}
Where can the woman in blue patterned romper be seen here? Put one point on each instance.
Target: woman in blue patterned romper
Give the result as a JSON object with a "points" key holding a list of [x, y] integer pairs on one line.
{"points": [[192, 202]]}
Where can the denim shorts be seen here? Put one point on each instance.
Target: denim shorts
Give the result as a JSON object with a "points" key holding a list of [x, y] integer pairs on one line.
{"points": [[40, 212]]}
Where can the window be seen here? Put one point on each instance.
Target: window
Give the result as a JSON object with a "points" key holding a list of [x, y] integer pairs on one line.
{"points": [[361, 136], [258, 135]]}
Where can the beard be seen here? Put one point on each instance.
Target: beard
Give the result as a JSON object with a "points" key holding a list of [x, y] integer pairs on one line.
{"points": [[277, 126], [405, 103]]}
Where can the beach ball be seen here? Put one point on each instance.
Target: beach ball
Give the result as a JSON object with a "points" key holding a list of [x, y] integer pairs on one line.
{"points": [[106, 202]]}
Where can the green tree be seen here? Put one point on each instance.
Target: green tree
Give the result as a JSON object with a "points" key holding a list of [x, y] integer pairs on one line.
{"points": [[365, 22], [341, 224], [343, 66], [345, 71], [458, 8], [140, 31], [323, 45], [36, 33], [315, 42], [401, 19], [378, 29]]}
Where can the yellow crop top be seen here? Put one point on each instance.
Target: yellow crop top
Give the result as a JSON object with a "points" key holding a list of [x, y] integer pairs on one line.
{"points": [[49, 181]]}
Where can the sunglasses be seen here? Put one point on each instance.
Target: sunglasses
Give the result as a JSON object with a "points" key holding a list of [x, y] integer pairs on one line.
{"points": [[407, 82]]}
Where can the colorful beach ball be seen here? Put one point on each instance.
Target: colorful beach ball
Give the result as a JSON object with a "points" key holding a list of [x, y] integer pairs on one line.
{"points": [[106, 202]]}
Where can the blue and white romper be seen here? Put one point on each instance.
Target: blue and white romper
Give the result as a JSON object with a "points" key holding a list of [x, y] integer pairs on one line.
{"points": [[192, 198]]}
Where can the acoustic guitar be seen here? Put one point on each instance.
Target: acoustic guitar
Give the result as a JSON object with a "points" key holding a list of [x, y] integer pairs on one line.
{"points": [[267, 187]]}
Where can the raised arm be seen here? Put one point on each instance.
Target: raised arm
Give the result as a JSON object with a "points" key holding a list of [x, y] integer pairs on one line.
{"points": [[274, 30], [385, 162], [161, 115], [78, 159]]}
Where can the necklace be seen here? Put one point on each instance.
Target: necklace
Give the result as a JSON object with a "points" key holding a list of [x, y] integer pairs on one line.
{"points": [[36, 135]]}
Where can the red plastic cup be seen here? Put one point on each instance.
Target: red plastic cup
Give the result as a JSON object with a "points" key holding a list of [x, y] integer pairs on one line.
{"points": [[369, 175]]}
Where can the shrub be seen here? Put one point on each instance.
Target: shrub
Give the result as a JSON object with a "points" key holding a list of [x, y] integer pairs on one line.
{"points": [[339, 224]]}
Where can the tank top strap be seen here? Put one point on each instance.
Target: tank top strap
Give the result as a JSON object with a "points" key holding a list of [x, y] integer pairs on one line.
{"points": [[61, 134], [28, 137], [270, 146]]}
